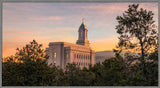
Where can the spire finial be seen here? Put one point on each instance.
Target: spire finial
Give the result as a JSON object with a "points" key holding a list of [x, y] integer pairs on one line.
{"points": [[82, 20]]}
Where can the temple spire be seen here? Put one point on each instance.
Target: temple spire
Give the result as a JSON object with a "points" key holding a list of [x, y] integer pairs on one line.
{"points": [[83, 35], [83, 20]]}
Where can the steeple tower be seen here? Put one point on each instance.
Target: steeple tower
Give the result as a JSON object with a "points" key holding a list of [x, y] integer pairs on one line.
{"points": [[83, 35], [83, 20]]}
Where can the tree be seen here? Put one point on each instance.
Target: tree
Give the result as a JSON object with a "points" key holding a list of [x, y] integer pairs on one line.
{"points": [[137, 31], [152, 68], [31, 52], [98, 70], [27, 68], [114, 72], [72, 74]]}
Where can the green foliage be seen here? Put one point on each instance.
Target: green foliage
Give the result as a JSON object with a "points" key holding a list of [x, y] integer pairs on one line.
{"points": [[78, 77], [30, 52], [29, 66], [97, 69], [137, 32], [112, 72], [136, 29]]}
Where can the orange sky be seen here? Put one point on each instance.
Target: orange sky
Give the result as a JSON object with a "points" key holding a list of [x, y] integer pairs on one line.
{"points": [[54, 22]]}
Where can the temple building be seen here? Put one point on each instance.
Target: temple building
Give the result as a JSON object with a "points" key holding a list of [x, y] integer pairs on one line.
{"points": [[61, 53], [101, 56]]}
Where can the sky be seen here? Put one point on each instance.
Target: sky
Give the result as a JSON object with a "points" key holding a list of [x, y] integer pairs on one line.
{"points": [[60, 21]]}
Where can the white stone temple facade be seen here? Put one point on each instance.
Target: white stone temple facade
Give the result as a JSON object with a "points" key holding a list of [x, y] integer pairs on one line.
{"points": [[61, 53]]}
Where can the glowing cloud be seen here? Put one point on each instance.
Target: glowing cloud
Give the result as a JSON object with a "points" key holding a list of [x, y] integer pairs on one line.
{"points": [[54, 22]]}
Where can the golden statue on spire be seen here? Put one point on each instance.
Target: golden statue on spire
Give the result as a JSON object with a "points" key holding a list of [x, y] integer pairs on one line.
{"points": [[82, 20]]}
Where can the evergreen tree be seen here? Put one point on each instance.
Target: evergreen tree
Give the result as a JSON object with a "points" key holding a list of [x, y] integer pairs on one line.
{"points": [[137, 31]]}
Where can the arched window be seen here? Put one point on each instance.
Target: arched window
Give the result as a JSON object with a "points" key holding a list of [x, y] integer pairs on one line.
{"points": [[54, 55], [74, 56], [81, 33], [67, 55]]}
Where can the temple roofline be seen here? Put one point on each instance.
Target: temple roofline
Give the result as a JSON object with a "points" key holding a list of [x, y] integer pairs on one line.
{"points": [[69, 44]]}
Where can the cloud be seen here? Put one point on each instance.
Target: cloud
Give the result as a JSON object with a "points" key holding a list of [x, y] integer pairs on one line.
{"points": [[53, 22], [22, 7], [46, 20], [49, 18], [103, 9], [38, 31], [113, 9], [17, 38]]}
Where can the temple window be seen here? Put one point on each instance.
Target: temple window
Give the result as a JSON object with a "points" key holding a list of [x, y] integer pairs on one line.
{"points": [[74, 56], [81, 34], [67, 55], [54, 54]]}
